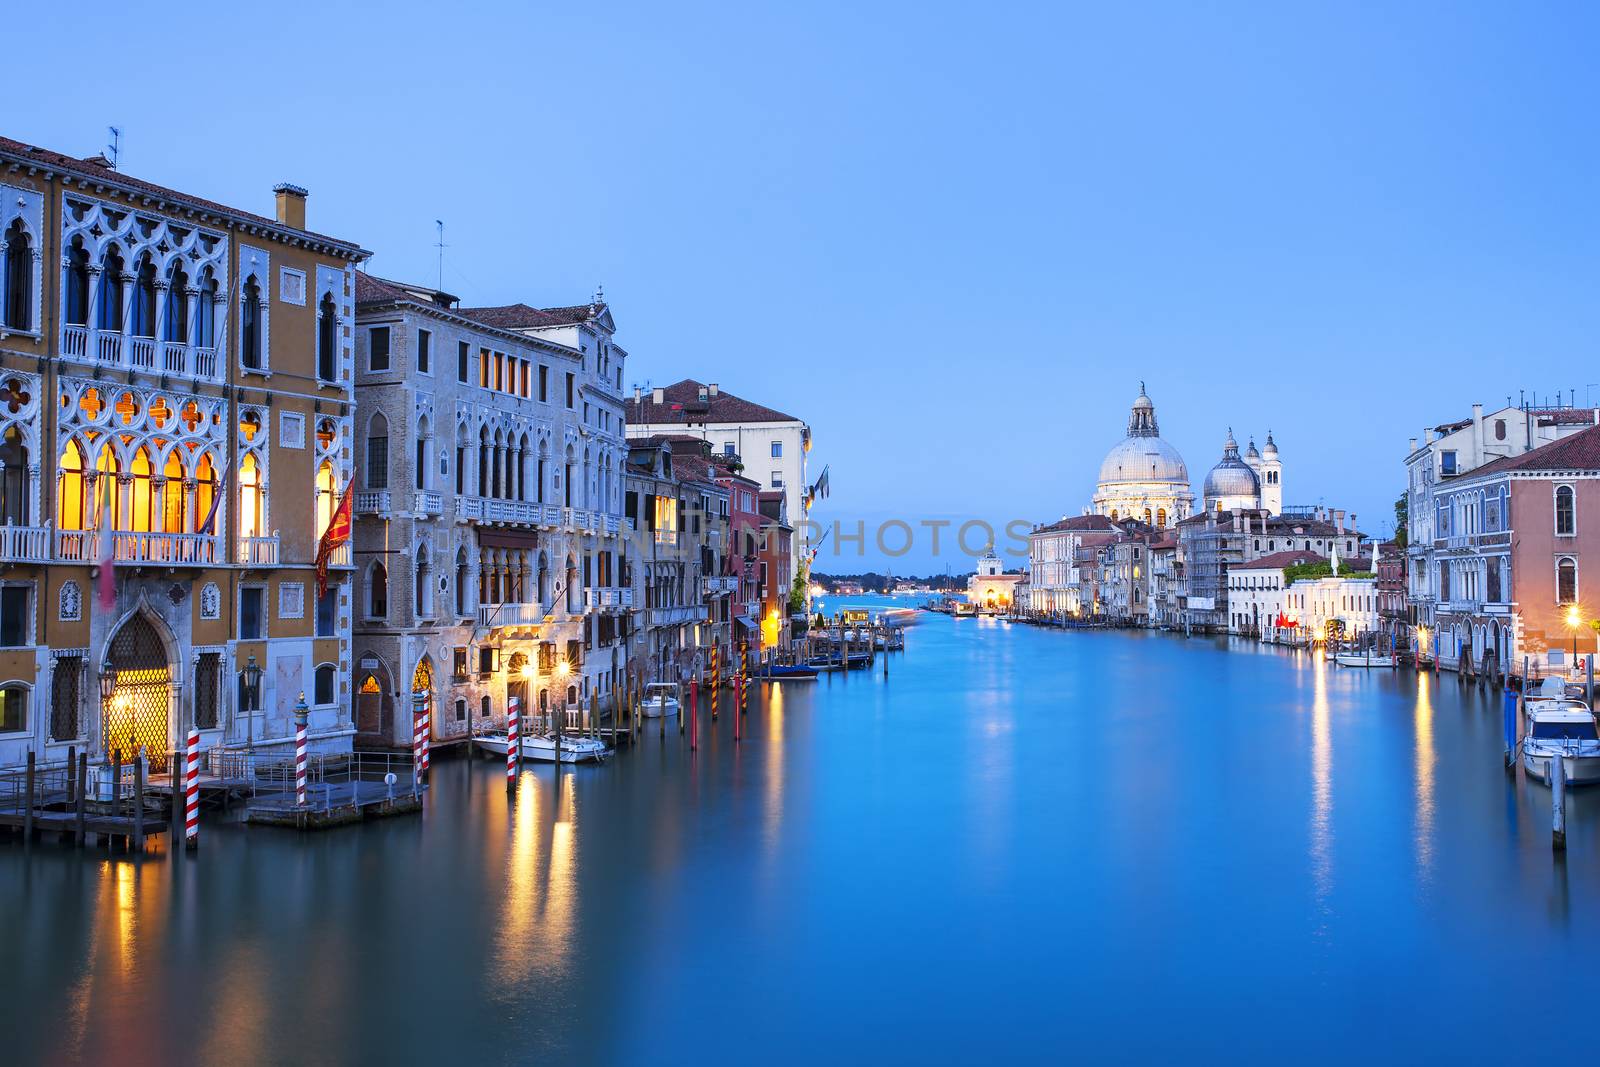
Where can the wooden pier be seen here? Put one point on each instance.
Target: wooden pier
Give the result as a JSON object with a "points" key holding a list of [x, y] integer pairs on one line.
{"points": [[56, 799]]}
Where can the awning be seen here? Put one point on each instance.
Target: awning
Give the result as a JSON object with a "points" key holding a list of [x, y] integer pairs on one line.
{"points": [[748, 623]]}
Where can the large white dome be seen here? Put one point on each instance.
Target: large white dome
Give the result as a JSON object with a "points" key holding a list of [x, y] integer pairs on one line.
{"points": [[1143, 459]]}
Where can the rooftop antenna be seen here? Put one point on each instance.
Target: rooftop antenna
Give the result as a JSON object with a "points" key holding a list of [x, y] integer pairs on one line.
{"points": [[114, 149], [441, 246], [599, 295]]}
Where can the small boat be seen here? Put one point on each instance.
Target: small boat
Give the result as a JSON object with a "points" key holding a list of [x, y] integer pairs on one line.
{"points": [[541, 748], [1363, 659], [790, 673], [660, 700], [1557, 725]]}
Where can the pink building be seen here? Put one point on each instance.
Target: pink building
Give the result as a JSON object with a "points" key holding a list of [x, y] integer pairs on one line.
{"points": [[1517, 557]]}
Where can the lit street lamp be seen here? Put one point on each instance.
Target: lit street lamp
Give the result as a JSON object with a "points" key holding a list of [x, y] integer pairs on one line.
{"points": [[1574, 620], [252, 700]]}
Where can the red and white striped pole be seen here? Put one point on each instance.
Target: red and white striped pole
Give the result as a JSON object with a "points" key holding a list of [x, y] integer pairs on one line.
{"points": [[300, 712], [419, 706], [191, 790], [513, 746], [738, 692], [427, 734]]}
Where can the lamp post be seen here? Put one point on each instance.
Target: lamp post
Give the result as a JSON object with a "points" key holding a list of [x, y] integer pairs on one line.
{"points": [[1574, 620], [108, 686], [252, 695]]}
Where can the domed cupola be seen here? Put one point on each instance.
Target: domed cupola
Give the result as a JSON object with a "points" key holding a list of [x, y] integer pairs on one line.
{"points": [[1270, 450], [1143, 477], [1231, 483]]}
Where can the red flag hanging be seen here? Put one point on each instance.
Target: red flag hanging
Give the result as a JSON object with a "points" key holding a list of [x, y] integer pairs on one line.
{"points": [[337, 533]]}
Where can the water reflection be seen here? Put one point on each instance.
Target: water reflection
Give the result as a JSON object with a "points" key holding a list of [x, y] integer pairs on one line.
{"points": [[1321, 782], [773, 806], [1422, 725], [513, 956]]}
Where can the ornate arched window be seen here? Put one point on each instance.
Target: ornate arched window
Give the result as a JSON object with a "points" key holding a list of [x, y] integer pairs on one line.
{"points": [[18, 278], [108, 315], [176, 328], [543, 474], [252, 497], [424, 441], [205, 493], [461, 581], [250, 347], [205, 318], [172, 495], [78, 284], [144, 299], [70, 503], [323, 691], [15, 502], [377, 592], [325, 497], [327, 339], [423, 590]]}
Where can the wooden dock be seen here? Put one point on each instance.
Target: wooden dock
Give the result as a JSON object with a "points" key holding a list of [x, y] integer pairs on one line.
{"points": [[331, 804], [54, 798]]}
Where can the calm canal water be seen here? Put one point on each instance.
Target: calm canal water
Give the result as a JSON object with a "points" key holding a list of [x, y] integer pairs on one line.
{"points": [[1023, 845]]}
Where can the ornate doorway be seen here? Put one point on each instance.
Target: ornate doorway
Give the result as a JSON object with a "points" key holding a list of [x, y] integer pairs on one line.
{"points": [[139, 712], [422, 682], [374, 702]]}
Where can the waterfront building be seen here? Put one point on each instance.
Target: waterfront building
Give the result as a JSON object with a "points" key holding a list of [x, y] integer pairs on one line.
{"points": [[1513, 542], [1124, 573], [490, 546], [1052, 562], [773, 446], [990, 588], [1256, 590], [777, 562], [669, 589], [1394, 617], [175, 377], [1452, 450], [1143, 477], [1339, 606], [727, 562], [1166, 581], [1211, 543]]}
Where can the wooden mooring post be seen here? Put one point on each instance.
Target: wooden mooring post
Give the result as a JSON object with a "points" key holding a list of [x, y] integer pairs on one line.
{"points": [[138, 801], [78, 801], [1509, 711], [1558, 802], [27, 803]]}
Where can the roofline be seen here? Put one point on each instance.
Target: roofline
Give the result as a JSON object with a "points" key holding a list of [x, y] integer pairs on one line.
{"points": [[239, 218], [454, 316]]}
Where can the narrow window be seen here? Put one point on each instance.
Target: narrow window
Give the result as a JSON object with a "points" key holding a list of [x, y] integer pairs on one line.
{"points": [[1567, 580], [777, 450], [463, 358], [324, 685], [569, 389], [144, 301], [378, 453], [424, 352], [378, 593], [328, 339], [252, 613], [19, 279], [483, 368], [378, 349], [1566, 517], [13, 709], [78, 286], [544, 384], [14, 616], [327, 612], [64, 689], [250, 325]]}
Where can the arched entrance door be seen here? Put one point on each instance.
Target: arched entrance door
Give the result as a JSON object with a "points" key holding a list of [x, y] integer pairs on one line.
{"points": [[375, 702], [140, 709]]}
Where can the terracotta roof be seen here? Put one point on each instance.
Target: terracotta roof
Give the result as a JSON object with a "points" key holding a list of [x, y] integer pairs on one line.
{"points": [[1079, 522], [510, 317], [683, 404], [1279, 560], [99, 172], [1580, 452]]}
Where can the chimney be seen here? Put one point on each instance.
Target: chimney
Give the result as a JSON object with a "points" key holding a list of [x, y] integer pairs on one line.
{"points": [[713, 389], [291, 205], [638, 396], [1427, 436], [658, 396], [1338, 521], [1414, 440]]}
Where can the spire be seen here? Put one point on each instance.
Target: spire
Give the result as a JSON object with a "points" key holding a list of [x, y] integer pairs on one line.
{"points": [[1142, 418]]}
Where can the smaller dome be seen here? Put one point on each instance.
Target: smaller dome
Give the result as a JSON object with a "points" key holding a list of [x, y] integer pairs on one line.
{"points": [[1270, 449], [1231, 477], [1250, 452]]}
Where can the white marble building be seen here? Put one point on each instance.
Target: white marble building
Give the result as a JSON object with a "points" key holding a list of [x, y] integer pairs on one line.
{"points": [[1143, 477]]}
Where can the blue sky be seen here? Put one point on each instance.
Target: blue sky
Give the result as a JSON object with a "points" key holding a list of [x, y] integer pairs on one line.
{"points": [[953, 239]]}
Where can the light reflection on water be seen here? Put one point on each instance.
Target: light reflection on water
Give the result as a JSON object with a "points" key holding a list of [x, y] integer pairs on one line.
{"points": [[1044, 831]]}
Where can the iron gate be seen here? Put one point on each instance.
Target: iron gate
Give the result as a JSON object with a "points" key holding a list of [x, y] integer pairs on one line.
{"points": [[137, 713]]}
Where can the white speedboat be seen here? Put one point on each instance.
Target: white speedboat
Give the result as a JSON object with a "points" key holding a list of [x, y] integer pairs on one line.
{"points": [[1363, 659], [660, 699], [1563, 734], [541, 748]]}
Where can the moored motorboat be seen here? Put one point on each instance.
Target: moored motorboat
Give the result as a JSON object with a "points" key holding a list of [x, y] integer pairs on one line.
{"points": [[660, 699], [790, 673], [1559, 726], [541, 748], [1363, 659]]}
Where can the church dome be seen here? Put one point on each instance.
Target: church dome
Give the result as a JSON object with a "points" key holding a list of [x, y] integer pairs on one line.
{"points": [[1143, 459], [1270, 449], [1143, 456], [1231, 478]]}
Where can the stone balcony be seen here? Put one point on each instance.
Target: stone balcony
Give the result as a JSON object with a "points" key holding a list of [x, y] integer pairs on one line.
{"points": [[163, 549], [607, 598], [374, 502], [258, 551], [24, 544], [427, 502], [495, 616], [114, 349]]}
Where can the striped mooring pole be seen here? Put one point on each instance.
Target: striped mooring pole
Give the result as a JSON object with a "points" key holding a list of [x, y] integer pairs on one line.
{"points": [[716, 681], [513, 747], [744, 679], [300, 713], [191, 790], [419, 710]]}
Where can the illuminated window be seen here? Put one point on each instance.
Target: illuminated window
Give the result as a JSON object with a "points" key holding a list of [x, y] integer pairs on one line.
{"points": [[251, 498], [172, 495], [324, 498], [70, 502], [205, 490]]}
